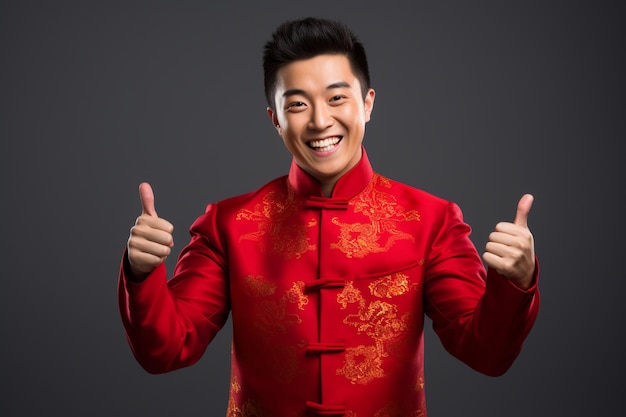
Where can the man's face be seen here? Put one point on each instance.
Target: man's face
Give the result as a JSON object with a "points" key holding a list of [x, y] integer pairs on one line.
{"points": [[321, 115]]}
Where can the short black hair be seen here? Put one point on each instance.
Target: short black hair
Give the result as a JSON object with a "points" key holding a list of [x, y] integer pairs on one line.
{"points": [[306, 38]]}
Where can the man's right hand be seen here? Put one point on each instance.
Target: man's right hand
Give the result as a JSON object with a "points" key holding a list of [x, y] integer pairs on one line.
{"points": [[151, 239]]}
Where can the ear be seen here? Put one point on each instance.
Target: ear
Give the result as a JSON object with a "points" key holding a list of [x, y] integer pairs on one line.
{"points": [[369, 104], [272, 115]]}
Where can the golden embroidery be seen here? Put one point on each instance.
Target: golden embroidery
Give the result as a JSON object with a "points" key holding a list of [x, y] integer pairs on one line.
{"points": [[349, 294], [234, 385], [277, 232], [420, 384], [248, 409], [271, 315], [390, 286], [296, 295], [256, 286], [377, 319], [363, 364], [397, 346], [356, 240], [273, 318]]}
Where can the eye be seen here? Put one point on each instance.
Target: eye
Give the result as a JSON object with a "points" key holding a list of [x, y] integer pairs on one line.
{"points": [[337, 98], [295, 106]]}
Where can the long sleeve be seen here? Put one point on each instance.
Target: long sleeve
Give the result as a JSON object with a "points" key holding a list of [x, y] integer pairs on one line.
{"points": [[169, 324], [481, 318], [328, 296]]}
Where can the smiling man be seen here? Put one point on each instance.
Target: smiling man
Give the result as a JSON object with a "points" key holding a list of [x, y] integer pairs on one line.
{"points": [[320, 112], [328, 271]]}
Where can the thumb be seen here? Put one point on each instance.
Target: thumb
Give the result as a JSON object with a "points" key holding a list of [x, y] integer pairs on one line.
{"points": [[523, 208], [147, 199]]}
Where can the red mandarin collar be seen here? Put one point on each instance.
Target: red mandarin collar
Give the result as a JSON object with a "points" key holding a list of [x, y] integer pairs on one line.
{"points": [[348, 186]]}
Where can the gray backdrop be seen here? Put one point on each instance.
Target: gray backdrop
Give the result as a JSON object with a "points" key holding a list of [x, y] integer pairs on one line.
{"points": [[477, 102]]}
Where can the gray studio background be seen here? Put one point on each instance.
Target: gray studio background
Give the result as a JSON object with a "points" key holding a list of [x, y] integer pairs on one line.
{"points": [[478, 102]]}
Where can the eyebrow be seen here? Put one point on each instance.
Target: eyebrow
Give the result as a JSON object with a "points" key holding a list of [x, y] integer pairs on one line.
{"points": [[297, 91]]}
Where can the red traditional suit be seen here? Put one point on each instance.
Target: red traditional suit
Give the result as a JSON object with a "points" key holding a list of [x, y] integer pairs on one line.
{"points": [[327, 297]]}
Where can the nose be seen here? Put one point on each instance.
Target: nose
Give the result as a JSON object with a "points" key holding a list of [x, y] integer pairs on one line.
{"points": [[321, 117]]}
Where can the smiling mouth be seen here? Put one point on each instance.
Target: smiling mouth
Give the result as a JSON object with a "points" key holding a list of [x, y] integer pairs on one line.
{"points": [[325, 145]]}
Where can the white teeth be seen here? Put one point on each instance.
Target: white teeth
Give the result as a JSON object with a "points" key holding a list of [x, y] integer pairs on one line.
{"points": [[324, 145], [324, 149]]}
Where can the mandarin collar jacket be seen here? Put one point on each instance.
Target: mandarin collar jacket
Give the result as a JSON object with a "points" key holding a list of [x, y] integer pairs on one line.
{"points": [[328, 297]]}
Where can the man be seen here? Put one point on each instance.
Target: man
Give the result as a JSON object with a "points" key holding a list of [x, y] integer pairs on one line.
{"points": [[329, 270]]}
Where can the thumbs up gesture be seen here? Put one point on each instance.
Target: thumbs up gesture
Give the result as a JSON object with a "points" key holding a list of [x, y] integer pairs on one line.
{"points": [[511, 248], [151, 239]]}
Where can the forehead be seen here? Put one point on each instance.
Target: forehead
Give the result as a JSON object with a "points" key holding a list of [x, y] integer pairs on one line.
{"points": [[316, 73]]}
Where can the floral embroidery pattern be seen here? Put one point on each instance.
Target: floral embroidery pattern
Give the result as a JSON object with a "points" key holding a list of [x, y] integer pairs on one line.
{"points": [[256, 286], [296, 295], [277, 232], [248, 409], [356, 240], [377, 319], [390, 286], [363, 364], [271, 314]]}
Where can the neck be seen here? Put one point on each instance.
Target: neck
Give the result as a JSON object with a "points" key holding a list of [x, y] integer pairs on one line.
{"points": [[327, 189]]}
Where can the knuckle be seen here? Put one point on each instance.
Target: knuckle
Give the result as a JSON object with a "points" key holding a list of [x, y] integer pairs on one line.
{"points": [[524, 246], [165, 251]]}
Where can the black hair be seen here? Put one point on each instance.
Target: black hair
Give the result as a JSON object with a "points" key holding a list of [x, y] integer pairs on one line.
{"points": [[306, 38]]}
